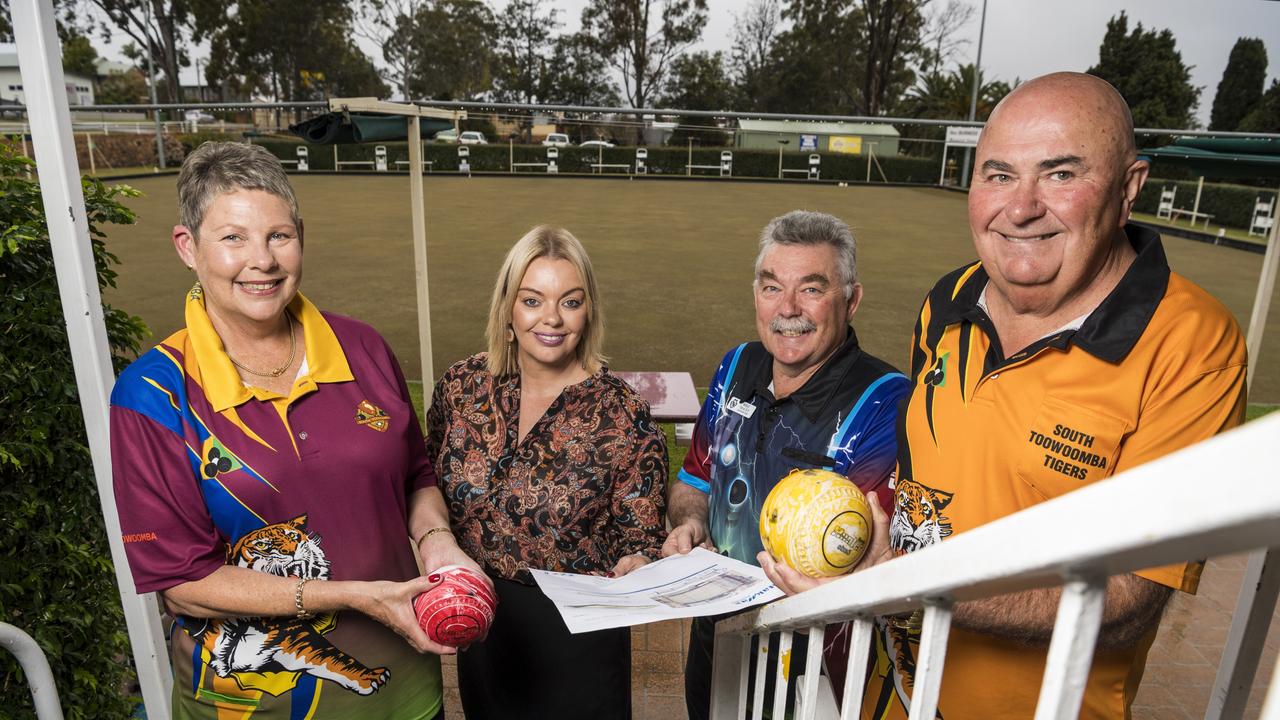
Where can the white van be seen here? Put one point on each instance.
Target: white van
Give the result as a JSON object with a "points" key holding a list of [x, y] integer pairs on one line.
{"points": [[557, 140]]}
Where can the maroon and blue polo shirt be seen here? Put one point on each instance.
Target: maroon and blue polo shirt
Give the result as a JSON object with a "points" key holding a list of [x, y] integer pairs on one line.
{"points": [[209, 472]]}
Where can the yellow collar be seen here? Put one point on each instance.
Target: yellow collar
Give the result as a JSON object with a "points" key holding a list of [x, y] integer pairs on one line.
{"points": [[222, 385]]}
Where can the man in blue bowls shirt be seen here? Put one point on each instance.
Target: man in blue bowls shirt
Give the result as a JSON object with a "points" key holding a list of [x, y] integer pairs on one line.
{"points": [[804, 396]]}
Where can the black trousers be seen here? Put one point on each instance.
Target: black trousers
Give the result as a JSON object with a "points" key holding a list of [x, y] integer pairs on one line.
{"points": [[697, 668], [531, 667]]}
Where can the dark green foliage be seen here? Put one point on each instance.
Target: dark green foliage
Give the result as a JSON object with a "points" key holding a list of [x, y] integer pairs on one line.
{"points": [[1147, 69], [698, 81], [79, 56], [663, 161], [1230, 205], [577, 75], [1241, 85], [454, 59], [56, 576], [1265, 115]]}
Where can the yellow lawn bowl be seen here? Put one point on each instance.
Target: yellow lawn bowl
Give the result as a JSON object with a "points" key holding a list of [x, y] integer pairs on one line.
{"points": [[817, 522]]}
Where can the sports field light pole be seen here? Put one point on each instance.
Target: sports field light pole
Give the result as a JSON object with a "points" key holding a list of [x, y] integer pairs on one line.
{"points": [[973, 99], [151, 82], [40, 65]]}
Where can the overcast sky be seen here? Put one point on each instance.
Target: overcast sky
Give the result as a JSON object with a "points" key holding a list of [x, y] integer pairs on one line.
{"points": [[1026, 38]]}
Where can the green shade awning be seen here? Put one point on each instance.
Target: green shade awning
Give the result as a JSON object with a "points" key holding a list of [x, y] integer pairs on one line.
{"points": [[345, 128], [1222, 157]]}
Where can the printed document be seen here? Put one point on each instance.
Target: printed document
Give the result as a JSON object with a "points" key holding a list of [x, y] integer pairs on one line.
{"points": [[681, 586]]}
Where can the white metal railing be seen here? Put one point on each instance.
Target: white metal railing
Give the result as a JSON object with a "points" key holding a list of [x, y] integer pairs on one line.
{"points": [[44, 692], [1219, 497]]}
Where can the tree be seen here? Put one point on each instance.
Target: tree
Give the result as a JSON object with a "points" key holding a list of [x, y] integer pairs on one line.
{"points": [[815, 58], [1241, 86], [1265, 115], [939, 34], [892, 39], [1147, 69], [755, 33], [524, 47], [59, 584], [639, 38], [79, 56], [315, 58], [698, 81], [576, 75], [454, 58], [392, 25], [946, 96], [160, 25], [122, 88]]}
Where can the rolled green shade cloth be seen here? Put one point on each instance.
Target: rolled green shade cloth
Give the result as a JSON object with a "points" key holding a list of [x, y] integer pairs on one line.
{"points": [[342, 129]]}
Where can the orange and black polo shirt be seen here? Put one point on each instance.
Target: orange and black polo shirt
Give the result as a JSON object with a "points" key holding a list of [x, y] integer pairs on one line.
{"points": [[1158, 366]]}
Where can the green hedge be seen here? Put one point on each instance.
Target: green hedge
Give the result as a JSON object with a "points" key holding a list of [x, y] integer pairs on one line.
{"points": [[662, 160], [1230, 205], [56, 576]]}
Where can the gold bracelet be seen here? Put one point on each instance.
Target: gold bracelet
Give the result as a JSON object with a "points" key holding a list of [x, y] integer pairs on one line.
{"points": [[297, 599], [431, 532]]}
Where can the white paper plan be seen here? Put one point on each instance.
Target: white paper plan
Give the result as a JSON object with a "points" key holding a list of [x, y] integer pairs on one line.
{"points": [[681, 586]]}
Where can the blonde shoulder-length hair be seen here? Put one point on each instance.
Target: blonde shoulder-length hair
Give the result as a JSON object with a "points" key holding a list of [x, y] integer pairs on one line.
{"points": [[544, 241]]}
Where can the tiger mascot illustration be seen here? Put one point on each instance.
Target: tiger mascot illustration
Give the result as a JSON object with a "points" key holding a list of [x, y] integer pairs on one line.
{"points": [[282, 644], [918, 520]]}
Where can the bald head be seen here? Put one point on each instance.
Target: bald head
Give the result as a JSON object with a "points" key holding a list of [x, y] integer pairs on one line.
{"points": [[1078, 101]]}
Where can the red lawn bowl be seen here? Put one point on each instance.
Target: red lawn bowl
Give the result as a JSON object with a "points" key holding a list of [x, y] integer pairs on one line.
{"points": [[458, 611]]}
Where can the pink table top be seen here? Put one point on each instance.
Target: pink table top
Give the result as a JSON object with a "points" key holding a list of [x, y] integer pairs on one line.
{"points": [[671, 395]]}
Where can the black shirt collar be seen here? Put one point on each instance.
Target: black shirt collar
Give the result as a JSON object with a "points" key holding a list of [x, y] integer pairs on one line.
{"points": [[822, 386], [1113, 328]]}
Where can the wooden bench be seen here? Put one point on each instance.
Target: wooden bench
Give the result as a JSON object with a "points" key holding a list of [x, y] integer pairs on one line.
{"points": [[425, 163], [1195, 216]]}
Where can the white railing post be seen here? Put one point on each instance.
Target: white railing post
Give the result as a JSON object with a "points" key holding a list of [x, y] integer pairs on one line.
{"points": [[933, 652], [855, 675], [1075, 633], [730, 656], [39, 60], [1248, 634], [762, 667], [812, 673], [782, 669], [44, 692]]}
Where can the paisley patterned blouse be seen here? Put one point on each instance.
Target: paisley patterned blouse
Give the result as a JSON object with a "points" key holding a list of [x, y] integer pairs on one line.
{"points": [[586, 487]]}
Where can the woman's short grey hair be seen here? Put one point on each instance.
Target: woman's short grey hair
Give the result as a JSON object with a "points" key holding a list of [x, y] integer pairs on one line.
{"points": [[805, 227], [219, 167]]}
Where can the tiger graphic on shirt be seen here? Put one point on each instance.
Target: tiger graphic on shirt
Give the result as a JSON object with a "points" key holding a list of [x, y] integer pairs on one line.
{"points": [[917, 519], [282, 644]]}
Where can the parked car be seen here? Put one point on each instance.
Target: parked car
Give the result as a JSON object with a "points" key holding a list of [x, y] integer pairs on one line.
{"points": [[557, 139], [199, 116], [472, 137], [597, 143], [447, 136]]}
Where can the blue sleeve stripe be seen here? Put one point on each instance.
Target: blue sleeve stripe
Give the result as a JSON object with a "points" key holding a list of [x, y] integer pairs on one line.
{"points": [[150, 387], [838, 440], [733, 365], [693, 481]]}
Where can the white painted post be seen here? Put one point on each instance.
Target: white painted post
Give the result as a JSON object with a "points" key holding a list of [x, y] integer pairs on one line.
{"points": [[1195, 207], [780, 682], [420, 256], [1075, 633], [1262, 300], [729, 669], [762, 667], [933, 650], [88, 144], [1248, 634], [808, 698], [44, 691], [855, 676], [40, 63]]}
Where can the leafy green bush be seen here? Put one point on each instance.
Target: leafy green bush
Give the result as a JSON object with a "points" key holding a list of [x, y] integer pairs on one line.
{"points": [[496, 157], [56, 576], [1230, 205]]}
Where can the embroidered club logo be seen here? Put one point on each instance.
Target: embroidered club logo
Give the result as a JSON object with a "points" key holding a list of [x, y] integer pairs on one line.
{"points": [[372, 416]]}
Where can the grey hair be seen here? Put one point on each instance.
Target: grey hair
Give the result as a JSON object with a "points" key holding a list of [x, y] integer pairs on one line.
{"points": [[806, 227], [219, 167]]}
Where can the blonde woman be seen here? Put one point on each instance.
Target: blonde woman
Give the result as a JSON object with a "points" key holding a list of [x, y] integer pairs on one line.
{"points": [[547, 461]]}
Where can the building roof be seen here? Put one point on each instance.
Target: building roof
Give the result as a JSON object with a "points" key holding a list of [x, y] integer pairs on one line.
{"points": [[9, 61], [818, 128]]}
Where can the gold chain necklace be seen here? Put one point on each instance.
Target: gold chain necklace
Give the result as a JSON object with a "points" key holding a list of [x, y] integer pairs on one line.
{"points": [[293, 352]]}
